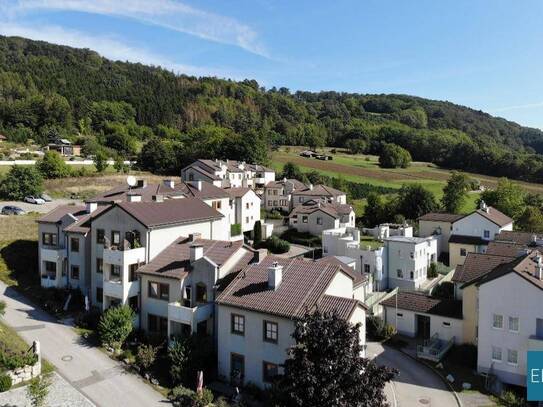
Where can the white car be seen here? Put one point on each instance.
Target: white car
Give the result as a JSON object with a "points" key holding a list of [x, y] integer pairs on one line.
{"points": [[34, 200]]}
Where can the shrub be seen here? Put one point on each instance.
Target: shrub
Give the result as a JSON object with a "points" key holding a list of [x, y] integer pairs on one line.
{"points": [[189, 355], [235, 229], [20, 182], [115, 325], [276, 245], [511, 399], [14, 360], [53, 166], [303, 238], [203, 399], [89, 319], [38, 389], [2, 308], [5, 383], [146, 356], [180, 396], [432, 271], [378, 329], [257, 232], [394, 156]]}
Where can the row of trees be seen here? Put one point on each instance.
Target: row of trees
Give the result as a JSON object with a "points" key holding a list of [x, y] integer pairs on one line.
{"points": [[48, 91]]}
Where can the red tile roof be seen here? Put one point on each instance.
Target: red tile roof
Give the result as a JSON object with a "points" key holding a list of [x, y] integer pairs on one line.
{"points": [[301, 290], [333, 209], [477, 265], [495, 216], [524, 266], [237, 192], [319, 190], [60, 211], [441, 217]]}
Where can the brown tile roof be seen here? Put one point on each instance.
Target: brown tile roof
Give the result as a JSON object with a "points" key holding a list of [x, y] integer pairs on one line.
{"points": [[358, 278], [180, 189], [524, 266], [82, 225], [237, 192], [508, 249], [495, 216], [301, 290], [473, 240], [231, 165], [60, 211], [477, 265], [281, 183], [171, 211], [342, 306], [319, 190], [441, 217], [523, 238], [174, 260], [333, 209], [419, 302]]}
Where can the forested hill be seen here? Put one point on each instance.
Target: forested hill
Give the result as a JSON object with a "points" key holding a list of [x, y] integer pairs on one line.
{"points": [[49, 90]]}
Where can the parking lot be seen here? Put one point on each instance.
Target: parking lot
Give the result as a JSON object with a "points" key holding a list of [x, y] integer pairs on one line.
{"points": [[46, 207]]}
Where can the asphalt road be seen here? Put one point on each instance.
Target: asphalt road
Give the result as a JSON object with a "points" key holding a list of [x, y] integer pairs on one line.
{"points": [[416, 385], [46, 207], [102, 380]]}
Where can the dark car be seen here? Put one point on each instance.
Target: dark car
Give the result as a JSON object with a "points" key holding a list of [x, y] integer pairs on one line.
{"points": [[12, 210]]}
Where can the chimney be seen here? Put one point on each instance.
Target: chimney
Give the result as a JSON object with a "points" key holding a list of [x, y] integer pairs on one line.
{"points": [[260, 255], [275, 275], [134, 198], [484, 207], [141, 183], [196, 184], [91, 206], [196, 252], [170, 183], [194, 236], [311, 187], [158, 198]]}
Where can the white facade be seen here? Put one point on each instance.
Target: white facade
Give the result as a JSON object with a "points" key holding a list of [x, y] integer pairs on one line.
{"points": [[246, 210], [517, 304], [477, 225], [407, 260], [345, 241], [318, 221]]}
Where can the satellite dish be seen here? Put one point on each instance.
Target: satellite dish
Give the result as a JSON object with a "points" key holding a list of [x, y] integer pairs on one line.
{"points": [[131, 180]]}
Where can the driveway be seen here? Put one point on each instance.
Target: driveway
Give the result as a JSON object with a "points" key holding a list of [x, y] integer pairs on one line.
{"points": [[416, 385], [46, 207], [94, 374]]}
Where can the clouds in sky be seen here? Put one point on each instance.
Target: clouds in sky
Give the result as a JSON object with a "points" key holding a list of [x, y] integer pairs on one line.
{"points": [[518, 107], [170, 14]]}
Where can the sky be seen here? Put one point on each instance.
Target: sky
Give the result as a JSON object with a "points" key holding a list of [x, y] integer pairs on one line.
{"points": [[485, 54]]}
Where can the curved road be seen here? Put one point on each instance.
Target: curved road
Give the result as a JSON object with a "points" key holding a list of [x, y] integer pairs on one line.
{"points": [[416, 385]]}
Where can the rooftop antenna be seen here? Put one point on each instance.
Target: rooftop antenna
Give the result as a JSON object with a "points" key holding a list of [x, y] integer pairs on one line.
{"points": [[131, 181]]}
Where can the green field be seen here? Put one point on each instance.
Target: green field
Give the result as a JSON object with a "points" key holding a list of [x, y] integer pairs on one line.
{"points": [[365, 169]]}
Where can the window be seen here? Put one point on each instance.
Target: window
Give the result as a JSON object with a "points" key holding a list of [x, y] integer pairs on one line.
{"points": [[512, 356], [51, 269], [133, 303], [216, 204], [496, 354], [115, 237], [157, 324], [513, 324], [201, 293], [49, 239], [319, 220], [446, 324], [274, 203], [399, 315], [74, 244], [237, 324], [497, 321], [269, 371], [99, 265], [237, 368], [100, 236], [188, 296], [159, 291], [269, 202], [367, 268], [463, 252], [304, 219], [75, 272], [411, 275], [247, 205], [99, 294], [191, 177], [486, 234], [399, 273], [132, 276], [115, 271], [270, 331]]}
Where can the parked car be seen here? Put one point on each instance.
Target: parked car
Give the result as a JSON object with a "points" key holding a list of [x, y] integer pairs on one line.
{"points": [[34, 200], [46, 198], [12, 210]]}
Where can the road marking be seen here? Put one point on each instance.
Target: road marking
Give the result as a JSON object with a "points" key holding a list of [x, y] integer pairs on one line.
{"points": [[28, 327]]}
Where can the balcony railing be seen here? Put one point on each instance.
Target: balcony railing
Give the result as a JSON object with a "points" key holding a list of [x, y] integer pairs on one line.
{"points": [[189, 315], [434, 348], [125, 253], [53, 254]]}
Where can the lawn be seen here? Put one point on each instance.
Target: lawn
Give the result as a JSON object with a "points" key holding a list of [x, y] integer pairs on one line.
{"points": [[365, 169], [366, 241]]}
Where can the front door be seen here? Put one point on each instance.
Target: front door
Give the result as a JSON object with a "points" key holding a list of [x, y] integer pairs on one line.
{"points": [[423, 327]]}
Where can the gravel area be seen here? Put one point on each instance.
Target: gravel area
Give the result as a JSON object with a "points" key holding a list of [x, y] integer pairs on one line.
{"points": [[46, 207], [61, 394]]}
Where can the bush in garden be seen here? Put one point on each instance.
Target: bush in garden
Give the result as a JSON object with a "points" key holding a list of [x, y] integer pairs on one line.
{"points": [[432, 270], [277, 245], [5, 383], [115, 325], [181, 396], [146, 356]]}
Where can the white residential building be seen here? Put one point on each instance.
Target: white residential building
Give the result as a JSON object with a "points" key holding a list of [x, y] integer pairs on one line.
{"points": [[229, 174], [245, 207], [258, 310], [322, 193], [278, 194], [316, 216], [407, 260], [345, 241], [510, 318]]}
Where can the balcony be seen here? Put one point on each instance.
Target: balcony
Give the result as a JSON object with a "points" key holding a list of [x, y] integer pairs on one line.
{"points": [[535, 343], [121, 256], [53, 254], [189, 315], [114, 287]]}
